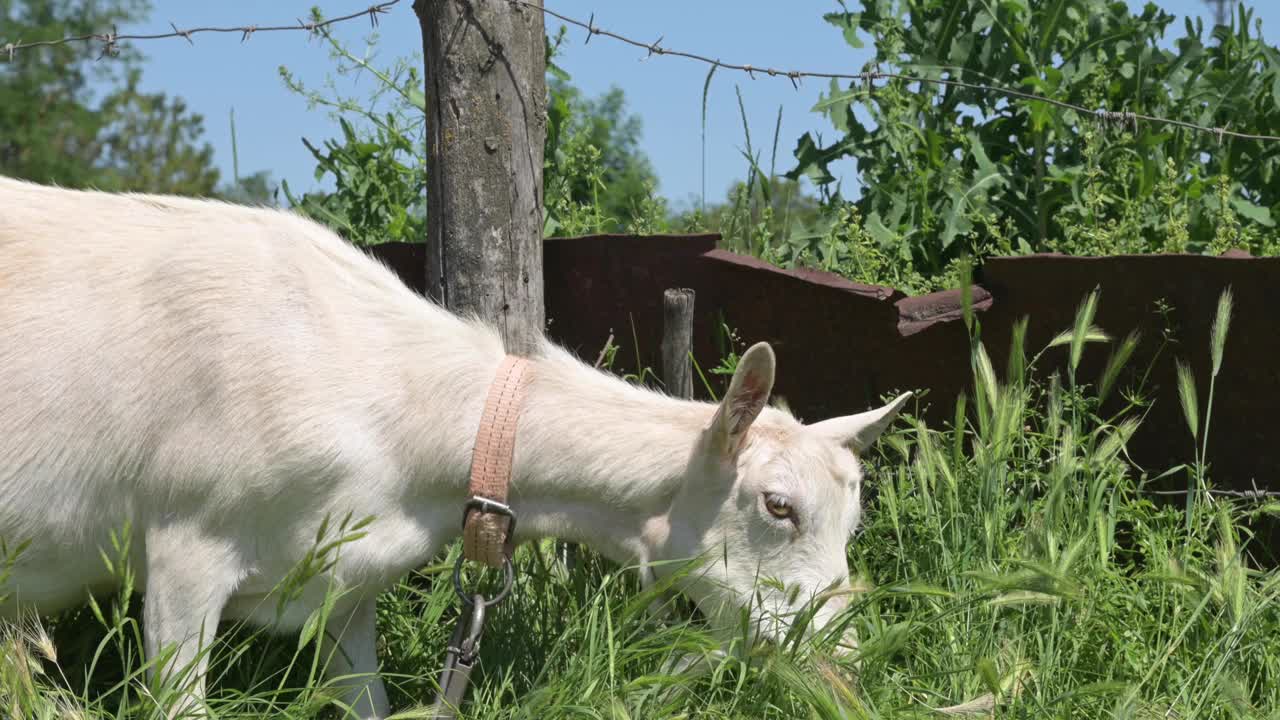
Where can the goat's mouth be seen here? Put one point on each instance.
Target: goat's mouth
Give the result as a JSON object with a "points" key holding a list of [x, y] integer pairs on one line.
{"points": [[777, 613], [772, 618], [817, 620]]}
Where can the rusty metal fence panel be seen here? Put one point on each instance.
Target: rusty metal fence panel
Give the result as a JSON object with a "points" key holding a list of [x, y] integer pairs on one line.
{"points": [[841, 345]]}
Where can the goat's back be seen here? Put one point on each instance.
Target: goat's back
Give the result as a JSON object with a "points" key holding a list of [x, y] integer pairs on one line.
{"points": [[184, 353]]}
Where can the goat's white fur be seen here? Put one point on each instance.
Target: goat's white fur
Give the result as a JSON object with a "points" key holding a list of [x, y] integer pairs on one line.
{"points": [[223, 378]]}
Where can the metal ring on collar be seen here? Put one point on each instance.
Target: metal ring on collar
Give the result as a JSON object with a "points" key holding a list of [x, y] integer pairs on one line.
{"points": [[509, 577]]}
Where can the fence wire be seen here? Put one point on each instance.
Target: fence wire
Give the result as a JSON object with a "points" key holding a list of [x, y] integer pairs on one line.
{"points": [[110, 41], [1124, 118]]}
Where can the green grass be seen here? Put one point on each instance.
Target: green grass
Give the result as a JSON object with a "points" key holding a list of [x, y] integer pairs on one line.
{"points": [[1011, 567]]}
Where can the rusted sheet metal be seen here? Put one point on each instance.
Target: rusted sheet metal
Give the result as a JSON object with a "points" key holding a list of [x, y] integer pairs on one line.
{"points": [[1243, 445], [842, 345], [828, 333], [408, 260], [601, 286], [924, 311]]}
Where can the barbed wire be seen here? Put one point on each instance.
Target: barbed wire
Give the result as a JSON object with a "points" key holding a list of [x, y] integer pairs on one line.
{"points": [[1122, 118], [1254, 493], [110, 41], [1116, 117], [1243, 494]]}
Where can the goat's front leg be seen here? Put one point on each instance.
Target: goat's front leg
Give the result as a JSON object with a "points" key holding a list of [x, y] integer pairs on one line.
{"points": [[188, 580], [349, 646]]}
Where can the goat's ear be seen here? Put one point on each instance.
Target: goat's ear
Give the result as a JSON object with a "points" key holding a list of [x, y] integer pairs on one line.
{"points": [[859, 432], [741, 405]]}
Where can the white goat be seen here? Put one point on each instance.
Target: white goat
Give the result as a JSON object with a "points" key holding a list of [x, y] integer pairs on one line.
{"points": [[223, 378]]}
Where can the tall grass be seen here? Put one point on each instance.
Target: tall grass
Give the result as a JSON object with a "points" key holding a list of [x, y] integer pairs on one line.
{"points": [[1011, 566]]}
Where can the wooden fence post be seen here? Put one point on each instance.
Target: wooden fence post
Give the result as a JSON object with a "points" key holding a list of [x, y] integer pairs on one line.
{"points": [[486, 125], [677, 342]]}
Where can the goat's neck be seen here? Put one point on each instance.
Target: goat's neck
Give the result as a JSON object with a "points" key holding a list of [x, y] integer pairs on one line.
{"points": [[599, 461]]}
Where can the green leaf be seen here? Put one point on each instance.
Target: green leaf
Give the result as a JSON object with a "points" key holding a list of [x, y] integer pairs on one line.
{"points": [[982, 22], [558, 72], [883, 235], [950, 25], [1041, 114], [417, 98], [838, 100], [920, 588], [847, 23], [1260, 215], [1052, 19], [812, 161], [957, 222]]}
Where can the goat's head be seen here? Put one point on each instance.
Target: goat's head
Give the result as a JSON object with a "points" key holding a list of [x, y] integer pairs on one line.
{"points": [[770, 505]]}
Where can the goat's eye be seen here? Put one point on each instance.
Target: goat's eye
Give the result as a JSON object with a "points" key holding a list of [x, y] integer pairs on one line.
{"points": [[778, 506]]}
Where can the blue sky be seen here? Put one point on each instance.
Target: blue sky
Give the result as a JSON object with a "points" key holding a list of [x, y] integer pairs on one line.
{"points": [[220, 73]]}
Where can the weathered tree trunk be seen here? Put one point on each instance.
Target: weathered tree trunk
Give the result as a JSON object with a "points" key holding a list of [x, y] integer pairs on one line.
{"points": [[677, 341], [486, 124]]}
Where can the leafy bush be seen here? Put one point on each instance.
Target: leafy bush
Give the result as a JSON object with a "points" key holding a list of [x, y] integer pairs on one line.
{"points": [[595, 177], [377, 165], [378, 196], [66, 119], [937, 162]]}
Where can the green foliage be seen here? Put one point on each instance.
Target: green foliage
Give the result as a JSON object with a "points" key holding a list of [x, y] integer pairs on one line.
{"points": [[757, 212], [8, 558], [378, 173], [152, 142], [52, 130], [847, 248], [255, 189], [378, 197], [766, 215], [595, 176], [938, 163], [1071, 594]]}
